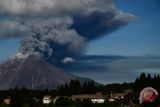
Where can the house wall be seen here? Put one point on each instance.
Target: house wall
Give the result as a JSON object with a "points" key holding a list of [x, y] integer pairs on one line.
{"points": [[46, 101], [97, 100]]}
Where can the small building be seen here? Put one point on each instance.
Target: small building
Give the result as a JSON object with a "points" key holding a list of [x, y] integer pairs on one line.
{"points": [[47, 99], [117, 96], [94, 98], [7, 101], [111, 100], [98, 100]]}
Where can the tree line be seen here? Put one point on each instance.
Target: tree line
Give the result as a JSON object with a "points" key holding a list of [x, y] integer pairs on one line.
{"points": [[146, 80], [75, 87], [143, 81], [34, 97]]}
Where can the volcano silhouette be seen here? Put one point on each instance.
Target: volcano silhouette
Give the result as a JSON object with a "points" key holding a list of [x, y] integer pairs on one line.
{"points": [[33, 72]]}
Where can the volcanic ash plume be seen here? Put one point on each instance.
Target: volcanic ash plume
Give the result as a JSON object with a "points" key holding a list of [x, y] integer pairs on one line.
{"points": [[59, 29], [52, 39]]}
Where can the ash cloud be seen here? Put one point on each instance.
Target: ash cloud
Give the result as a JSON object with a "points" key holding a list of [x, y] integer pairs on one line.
{"points": [[99, 23], [53, 40], [95, 15], [54, 7], [57, 29]]}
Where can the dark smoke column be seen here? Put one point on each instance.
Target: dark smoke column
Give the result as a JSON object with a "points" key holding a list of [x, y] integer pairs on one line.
{"points": [[61, 36]]}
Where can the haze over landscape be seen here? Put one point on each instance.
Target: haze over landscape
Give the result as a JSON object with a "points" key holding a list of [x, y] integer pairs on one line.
{"points": [[107, 41]]}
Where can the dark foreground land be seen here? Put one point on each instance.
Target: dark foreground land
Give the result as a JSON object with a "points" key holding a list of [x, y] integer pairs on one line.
{"points": [[34, 98], [96, 105]]}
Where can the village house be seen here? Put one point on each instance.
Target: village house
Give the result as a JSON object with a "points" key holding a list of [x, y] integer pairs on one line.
{"points": [[111, 99], [95, 98], [114, 96], [47, 99], [98, 100], [7, 101], [119, 95]]}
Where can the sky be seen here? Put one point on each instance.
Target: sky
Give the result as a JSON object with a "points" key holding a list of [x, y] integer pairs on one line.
{"points": [[8, 48], [138, 42], [139, 38]]}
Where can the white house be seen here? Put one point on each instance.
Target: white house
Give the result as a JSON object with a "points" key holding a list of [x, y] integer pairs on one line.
{"points": [[7, 101], [111, 100], [47, 99], [98, 100], [117, 96], [94, 98]]}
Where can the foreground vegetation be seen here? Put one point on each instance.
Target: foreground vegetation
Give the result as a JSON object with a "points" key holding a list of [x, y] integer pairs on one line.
{"points": [[82, 104], [33, 98]]}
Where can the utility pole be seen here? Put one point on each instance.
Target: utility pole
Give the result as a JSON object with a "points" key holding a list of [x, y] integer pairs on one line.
{"points": [[32, 82]]}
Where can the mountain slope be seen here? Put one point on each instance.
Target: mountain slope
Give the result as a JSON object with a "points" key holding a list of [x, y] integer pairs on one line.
{"points": [[33, 73]]}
